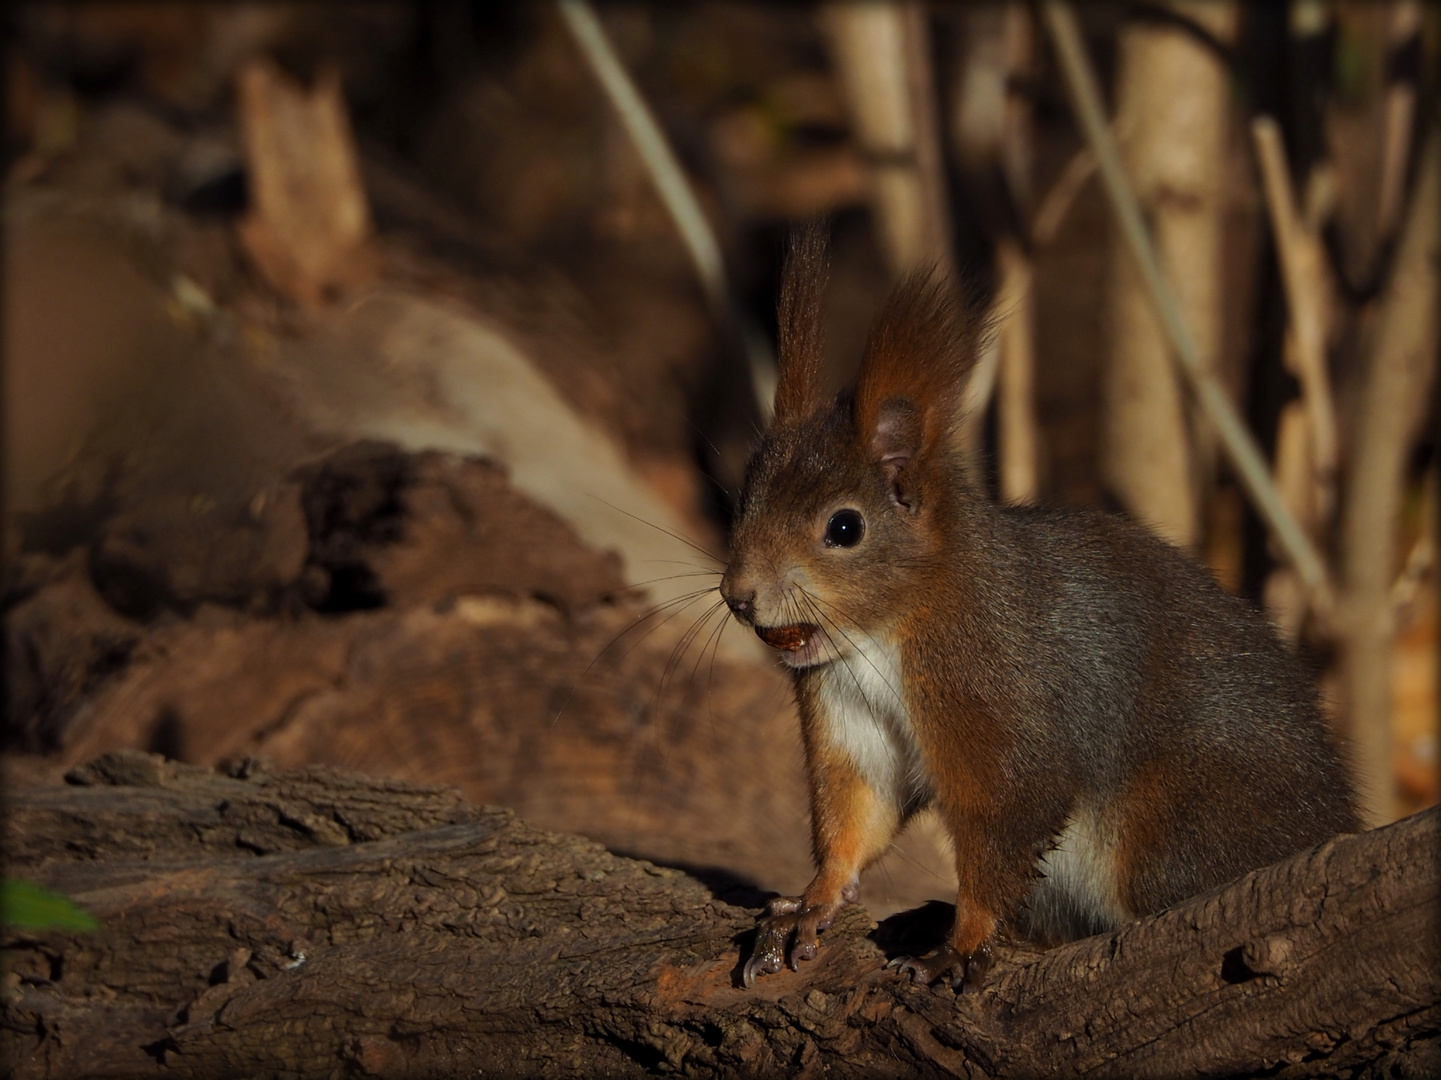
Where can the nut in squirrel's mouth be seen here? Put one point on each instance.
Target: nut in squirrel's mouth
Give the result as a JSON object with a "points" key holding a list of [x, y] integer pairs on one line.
{"points": [[788, 638]]}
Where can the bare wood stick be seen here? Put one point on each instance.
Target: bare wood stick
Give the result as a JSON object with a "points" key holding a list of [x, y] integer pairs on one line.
{"points": [[991, 140], [882, 55], [675, 193], [1235, 439], [1303, 272], [930, 165], [309, 228], [1400, 111], [1060, 196], [1283, 595], [1421, 559], [1019, 429], [1392, 403]]}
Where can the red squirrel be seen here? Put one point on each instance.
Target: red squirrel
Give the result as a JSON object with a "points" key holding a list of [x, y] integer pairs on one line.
{"points": [[1102, 729]]}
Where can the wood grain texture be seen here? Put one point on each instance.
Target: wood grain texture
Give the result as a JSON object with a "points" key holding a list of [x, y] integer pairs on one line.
{"points": [[320, 923]]}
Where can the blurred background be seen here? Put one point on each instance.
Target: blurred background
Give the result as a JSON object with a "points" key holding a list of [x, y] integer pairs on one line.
{"points": [[378, 376]]}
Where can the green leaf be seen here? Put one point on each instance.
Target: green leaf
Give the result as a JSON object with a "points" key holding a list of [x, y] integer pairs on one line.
{"points": [[26, 905]]}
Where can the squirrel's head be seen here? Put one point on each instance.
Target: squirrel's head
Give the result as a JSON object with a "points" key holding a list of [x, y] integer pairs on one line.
{"points": [[844, 502]]}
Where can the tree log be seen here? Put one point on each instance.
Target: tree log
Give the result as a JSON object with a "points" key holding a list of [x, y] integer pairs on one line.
{"points": [[322, 923]]}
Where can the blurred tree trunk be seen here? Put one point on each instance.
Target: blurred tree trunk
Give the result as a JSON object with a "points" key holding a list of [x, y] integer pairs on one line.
{"points": [[1172, 108]]}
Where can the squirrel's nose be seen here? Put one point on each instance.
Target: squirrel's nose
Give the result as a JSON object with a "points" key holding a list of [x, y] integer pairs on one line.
{"points": [[742, 605]]}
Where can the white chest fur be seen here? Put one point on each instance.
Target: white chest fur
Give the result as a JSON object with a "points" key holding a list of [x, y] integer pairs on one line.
{"points": [[863, 715]]}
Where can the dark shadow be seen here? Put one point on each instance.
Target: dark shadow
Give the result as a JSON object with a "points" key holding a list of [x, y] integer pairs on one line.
{"points": [[724, 885], [915, 932]]}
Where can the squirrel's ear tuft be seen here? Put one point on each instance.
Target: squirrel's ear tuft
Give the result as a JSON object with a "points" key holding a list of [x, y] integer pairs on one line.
{"points": [[802, 283], [923, 344]]}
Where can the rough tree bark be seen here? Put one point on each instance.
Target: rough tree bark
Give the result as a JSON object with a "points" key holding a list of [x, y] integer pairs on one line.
{"points": [[320, 923]]}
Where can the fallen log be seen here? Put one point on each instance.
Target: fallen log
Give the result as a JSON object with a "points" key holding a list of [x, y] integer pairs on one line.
{"points": [[322, 923]]}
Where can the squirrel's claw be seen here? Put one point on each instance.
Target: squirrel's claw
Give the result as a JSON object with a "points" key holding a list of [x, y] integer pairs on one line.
{"points": [[962, 972], [786, 935], [769, 953]]}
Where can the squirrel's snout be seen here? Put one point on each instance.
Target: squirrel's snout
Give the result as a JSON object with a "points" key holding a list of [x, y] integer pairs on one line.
{"points": [[742, 604]]}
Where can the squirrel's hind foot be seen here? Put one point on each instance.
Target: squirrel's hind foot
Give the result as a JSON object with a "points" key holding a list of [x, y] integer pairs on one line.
{"points": [[963, 973]]}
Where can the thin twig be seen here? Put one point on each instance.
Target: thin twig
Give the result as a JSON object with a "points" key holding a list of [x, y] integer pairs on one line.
{"points": [[1303, 269], [1400, 106], [674, 190], [1237, 441], [1060, 196], [1421, 559]]}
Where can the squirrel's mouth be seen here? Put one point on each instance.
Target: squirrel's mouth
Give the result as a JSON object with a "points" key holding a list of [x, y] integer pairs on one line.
{"points": [[787, 638]]}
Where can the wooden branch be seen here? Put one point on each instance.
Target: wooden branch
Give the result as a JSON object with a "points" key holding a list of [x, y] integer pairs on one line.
{"points": [[308, 231], [319, 923], [1400, 109], [1303, 272], [1393, 398], [1306, 444]]}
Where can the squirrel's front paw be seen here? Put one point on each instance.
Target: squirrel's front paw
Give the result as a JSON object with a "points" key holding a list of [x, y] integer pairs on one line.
{"points": [[789, 927], [962, 972]]}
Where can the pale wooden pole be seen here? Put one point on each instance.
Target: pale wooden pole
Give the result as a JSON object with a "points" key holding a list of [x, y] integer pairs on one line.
{"points": [[882, 54], [1400, 368], [1173, 104]]}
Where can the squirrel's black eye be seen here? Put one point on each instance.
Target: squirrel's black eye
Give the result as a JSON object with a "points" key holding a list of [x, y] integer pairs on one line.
{"points": [[845, 528]]}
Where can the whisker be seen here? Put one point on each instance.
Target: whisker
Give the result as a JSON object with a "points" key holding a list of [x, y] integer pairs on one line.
{"points": [[915, 863], [713, 636], [822, 617], [677, 562], [679, 603], [710, 673], [677, 653], [661, 529], [815, 601], [668, 577]]}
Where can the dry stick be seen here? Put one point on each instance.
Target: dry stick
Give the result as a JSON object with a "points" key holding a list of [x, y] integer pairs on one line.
{"points": [[1422, 556], [991, 132], [930, 166], [1020, 442], [1020, 437], [675, 192], [1306, 434], [1057, 201], [1406, 24], [1303, 272], [1392, 403], [1240, 447]]}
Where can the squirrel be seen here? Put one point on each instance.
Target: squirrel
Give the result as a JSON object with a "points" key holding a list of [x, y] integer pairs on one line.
{"points": [[1101, 728]]}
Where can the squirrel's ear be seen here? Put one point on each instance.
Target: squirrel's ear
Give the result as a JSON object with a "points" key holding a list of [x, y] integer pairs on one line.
{"points": [[802, 282], [908, 396], [896, 439]]}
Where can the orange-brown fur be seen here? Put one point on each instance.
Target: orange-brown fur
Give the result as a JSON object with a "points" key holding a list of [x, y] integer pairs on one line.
{"points": [[1072, 696]]}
